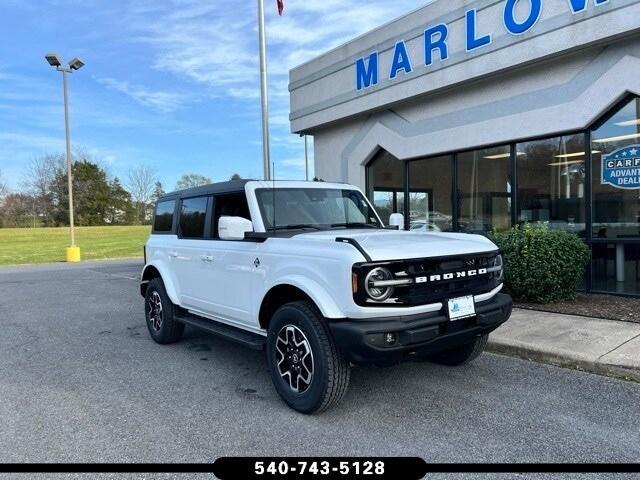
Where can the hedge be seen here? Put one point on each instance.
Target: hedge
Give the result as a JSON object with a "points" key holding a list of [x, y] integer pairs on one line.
{"points": [[542, 265]]}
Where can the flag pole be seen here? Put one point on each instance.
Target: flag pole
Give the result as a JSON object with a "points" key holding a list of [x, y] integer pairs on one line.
{"points": [[266, 154]]}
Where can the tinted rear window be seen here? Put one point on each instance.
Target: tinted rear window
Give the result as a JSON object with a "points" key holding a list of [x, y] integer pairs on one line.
{"points": [[164, 216], [193, 215]]}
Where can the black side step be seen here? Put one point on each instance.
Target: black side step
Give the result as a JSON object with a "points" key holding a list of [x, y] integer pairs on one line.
{"points": [[248, 339]]}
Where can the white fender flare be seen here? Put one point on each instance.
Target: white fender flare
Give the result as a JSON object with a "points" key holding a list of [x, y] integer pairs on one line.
{"points": [[166, 279], [323, 300]]}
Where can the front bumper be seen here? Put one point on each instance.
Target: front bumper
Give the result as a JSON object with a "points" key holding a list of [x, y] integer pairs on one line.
{"points": [[362, 342]]}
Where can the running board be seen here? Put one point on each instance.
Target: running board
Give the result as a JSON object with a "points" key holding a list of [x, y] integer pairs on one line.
{"points": [[248, 339]]}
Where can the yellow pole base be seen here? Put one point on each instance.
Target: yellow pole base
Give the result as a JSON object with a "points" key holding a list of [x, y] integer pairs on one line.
{"points": [[73, 254]]}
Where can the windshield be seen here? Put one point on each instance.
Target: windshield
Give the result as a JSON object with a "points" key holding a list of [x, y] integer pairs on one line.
{"points": [[316, 208]]}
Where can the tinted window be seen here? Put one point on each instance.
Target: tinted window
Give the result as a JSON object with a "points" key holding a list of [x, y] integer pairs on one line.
{"points": [[164, 216], [616, 191], [231, 205], [551, 182], [192, 217], [430, 208], [385, 186], [484, 190]]}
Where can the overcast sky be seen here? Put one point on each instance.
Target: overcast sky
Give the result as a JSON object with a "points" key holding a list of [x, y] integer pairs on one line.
{"points": [[169, 83]]}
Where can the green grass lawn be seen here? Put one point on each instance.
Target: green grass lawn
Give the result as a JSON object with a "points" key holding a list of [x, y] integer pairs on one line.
{"points": [[20, 246]]}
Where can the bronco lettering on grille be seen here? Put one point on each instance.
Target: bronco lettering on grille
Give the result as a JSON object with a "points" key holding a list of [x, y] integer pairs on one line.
{"points": [[450, 276]]}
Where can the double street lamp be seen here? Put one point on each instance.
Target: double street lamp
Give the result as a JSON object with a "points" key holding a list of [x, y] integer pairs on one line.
{"points": [[73, 252]]}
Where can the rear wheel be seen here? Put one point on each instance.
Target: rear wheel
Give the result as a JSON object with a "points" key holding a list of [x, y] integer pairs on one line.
{"points": [[463, 354], [307, 369], [160, 314]]}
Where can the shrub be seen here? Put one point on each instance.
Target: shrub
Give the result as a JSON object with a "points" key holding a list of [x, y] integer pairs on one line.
{"points": [[542, 265]]}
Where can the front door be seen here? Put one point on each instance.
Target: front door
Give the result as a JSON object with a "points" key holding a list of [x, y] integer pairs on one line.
{"points": [[222, 288]]}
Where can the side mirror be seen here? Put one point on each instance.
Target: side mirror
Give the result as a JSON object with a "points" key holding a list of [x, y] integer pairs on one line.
{"points": [[397, 220], [234, 228]]}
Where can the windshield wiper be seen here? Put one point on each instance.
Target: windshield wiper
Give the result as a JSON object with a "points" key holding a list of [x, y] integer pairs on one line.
{"points": [[354, 225], [301, 226]]}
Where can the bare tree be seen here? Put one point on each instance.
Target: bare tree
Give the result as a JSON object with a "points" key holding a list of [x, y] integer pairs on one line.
{"points": [[39, 182], [141, 184], [3, 186]]}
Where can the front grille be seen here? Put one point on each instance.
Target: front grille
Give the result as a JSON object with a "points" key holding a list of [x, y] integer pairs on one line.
{"points": [[434, 279]]}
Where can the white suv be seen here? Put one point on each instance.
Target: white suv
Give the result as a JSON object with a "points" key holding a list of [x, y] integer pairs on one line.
{"points": [[308, 272]]}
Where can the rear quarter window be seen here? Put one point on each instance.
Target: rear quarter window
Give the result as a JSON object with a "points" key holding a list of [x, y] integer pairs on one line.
{"points": [[163, 221]]}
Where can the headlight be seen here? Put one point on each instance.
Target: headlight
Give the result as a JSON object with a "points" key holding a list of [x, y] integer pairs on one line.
{"points": [[497, 268], [378, 292]]}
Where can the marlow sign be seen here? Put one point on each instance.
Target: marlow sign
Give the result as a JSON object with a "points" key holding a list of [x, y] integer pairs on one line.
{"points": [[621, 169], [435, 39]]}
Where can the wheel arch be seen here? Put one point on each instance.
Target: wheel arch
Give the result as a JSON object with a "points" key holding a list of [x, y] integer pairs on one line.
{"points": [[152, 271], [292, 291]]}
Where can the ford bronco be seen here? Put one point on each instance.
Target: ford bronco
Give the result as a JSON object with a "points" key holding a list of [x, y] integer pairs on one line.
{"points": [[308, 272]]}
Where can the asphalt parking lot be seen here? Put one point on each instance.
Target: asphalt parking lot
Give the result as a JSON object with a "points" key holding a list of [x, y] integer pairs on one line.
{"points": [[81, 381]]}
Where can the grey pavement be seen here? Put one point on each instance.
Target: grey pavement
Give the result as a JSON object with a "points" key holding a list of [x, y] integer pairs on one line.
{"points": [[81, 381], [605, 347]]}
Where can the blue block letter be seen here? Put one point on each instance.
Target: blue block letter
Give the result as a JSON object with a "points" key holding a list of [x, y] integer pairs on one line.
{"points": [[367, 76], [401, 60], [441, 43], [516, 27], [578, 6], [472, 41]]}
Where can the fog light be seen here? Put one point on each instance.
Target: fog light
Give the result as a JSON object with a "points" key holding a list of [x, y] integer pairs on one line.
{"points": [[390, 338]]}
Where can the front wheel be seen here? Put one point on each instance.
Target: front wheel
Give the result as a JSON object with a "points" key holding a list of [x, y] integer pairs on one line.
{"points": [[307, 369]]}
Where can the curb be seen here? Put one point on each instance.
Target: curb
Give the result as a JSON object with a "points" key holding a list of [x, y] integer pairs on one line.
{"points": [[540, 356]]}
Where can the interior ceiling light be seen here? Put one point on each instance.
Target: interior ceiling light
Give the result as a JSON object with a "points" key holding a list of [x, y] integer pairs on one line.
{"points": [[629, 123], [616, 139], [501, 155], [579, 154]]}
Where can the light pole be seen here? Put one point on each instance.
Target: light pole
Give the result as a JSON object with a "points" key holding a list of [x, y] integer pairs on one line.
{"points": [[73, 252]]}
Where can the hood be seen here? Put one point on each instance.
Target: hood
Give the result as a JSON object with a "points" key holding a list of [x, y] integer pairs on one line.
{"points": [[384, 245]]}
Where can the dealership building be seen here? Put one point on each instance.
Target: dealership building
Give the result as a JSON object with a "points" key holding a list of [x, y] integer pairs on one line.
{"points": [[479, 115]]}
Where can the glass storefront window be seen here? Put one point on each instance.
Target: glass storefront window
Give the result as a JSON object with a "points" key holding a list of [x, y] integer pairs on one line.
{"points": [[616, 268], [430, 194], [484, 190], [385, 184], [551, 182], [616, 198]]}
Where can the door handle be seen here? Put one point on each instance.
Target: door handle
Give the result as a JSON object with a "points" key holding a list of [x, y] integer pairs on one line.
{"points": [[207, 258], [173, 254]]}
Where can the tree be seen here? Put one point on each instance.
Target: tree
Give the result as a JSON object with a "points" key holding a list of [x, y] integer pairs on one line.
{"points": [[17, 211], [236, 176], [192, 180], [3, 186], [91, 195], [39, 181], [121, 210], [141, 182], [158, 192]]}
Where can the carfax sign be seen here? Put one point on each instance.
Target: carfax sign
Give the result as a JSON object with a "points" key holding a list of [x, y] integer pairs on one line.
{"points": [[621, 169]]}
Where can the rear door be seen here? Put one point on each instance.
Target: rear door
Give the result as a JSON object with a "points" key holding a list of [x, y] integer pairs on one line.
{"points": [[188, 257]]}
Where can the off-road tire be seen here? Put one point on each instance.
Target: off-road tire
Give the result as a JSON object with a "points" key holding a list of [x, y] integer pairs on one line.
{"points": [[461, 355], [170, 330], [331, 371]]}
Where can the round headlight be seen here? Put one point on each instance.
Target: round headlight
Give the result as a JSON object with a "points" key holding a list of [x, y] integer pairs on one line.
{"points": [[378, 293]]}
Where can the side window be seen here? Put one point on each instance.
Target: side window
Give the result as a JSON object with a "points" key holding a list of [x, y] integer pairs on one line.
{"points": [[193, 215], [163, 221], [230, 205]]}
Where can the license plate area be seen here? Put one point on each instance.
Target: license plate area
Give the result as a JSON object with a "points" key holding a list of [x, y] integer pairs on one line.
{"points": [[461, 308]]}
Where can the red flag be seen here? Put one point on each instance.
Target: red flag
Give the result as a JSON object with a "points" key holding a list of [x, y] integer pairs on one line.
{"points": [[280, 6]]}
